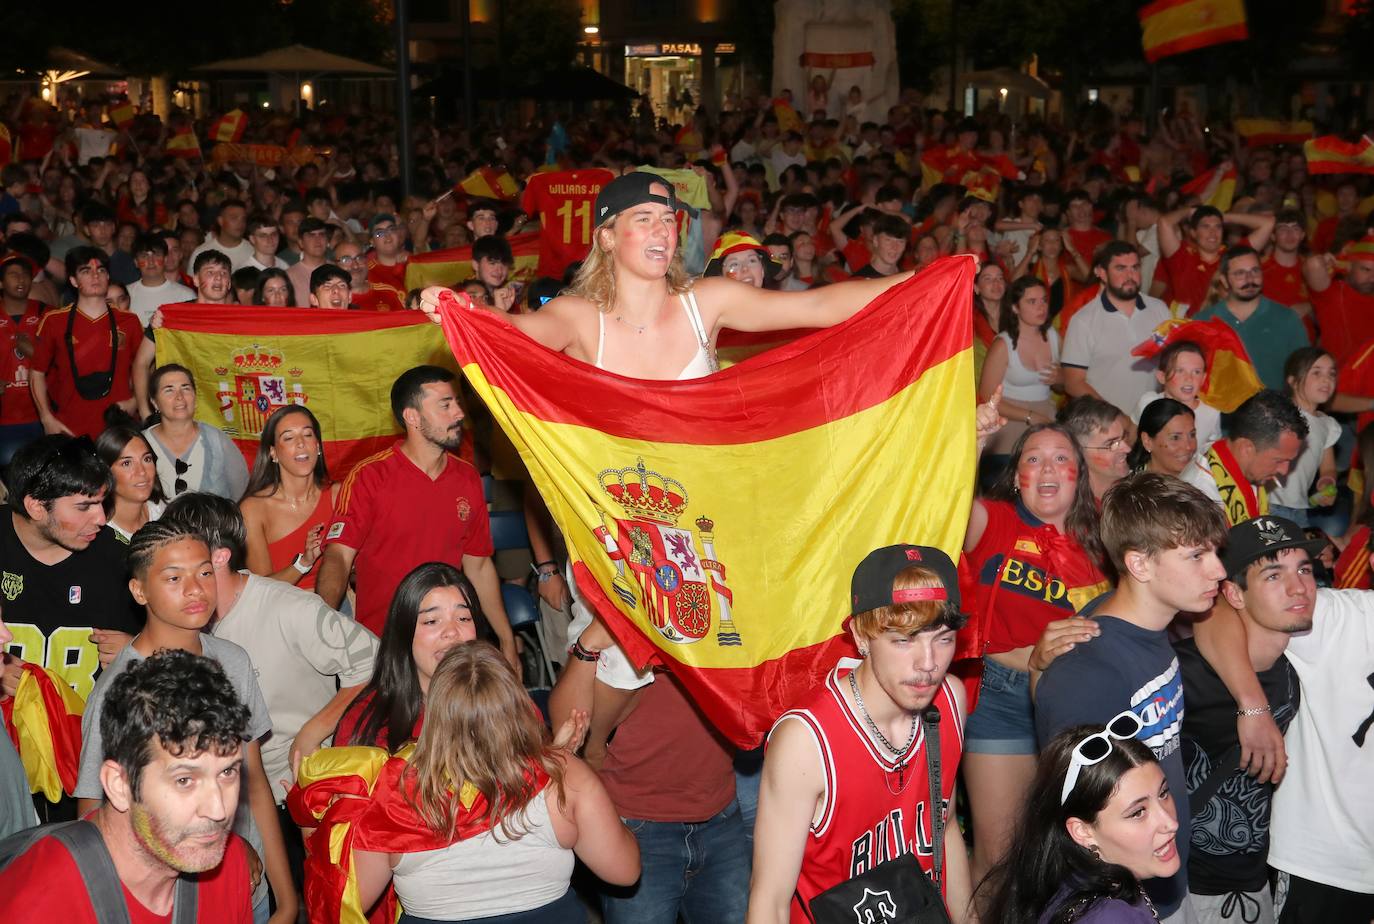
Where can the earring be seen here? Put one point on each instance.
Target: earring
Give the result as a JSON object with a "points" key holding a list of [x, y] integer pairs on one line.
{"points": [[1095, 850], [863, 652]]}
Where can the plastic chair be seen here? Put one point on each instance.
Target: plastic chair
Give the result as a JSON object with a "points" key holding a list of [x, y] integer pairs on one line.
{"points": [[508, 531]]}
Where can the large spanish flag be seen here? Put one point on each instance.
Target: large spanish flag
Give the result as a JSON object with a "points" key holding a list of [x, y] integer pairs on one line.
{"points": [[247, 362], [714, 523], [43, 719], [454, 265], [1171, 27]]}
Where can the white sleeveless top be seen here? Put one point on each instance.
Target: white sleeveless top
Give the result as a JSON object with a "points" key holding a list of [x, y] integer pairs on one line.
{"points": [[701, 364], [488, 874], [1020, 383]]}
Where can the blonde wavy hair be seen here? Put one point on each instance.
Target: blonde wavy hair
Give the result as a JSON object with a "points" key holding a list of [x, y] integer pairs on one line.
{"points": [[480, 729], [595, 279]]}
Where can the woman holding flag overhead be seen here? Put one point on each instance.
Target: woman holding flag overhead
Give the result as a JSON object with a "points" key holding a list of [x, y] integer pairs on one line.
{"points": [[633, 310]]}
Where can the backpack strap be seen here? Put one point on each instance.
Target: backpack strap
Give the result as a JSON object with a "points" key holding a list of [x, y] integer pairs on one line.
{"points": [[185, 900], [930, 720], [97, 871]]}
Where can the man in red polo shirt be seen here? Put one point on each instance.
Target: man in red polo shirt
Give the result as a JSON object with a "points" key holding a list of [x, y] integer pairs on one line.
{"points": [[1344, 307], [19, 324], [386, 264], [413, 503], [84, 353], [1191, 264]]}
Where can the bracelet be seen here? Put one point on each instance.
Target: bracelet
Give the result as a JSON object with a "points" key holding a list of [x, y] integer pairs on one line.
{"points": [[582, 654], [544, 576], [302, 568], [1263, 710]]}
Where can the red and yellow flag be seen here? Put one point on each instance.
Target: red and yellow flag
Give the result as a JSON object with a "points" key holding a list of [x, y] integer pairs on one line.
{"points": [[714, 523], [454, 265], [229, 128], [247, 362], [183, 143], [1171, 27], [1261, 132], [122, 114], [1231, 376], [6, 145], [489, 183], [1222, 195], [43, 719], [788, 120], [1332, 154]]}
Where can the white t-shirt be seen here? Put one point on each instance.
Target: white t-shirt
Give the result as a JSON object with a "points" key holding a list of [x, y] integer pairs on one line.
{"points": [[238, 255], [1322, 827], [1198, 474], [1100, 340], [144, 300], [298, 644], [1294, 489], [1206, 419], [1148, 239]]}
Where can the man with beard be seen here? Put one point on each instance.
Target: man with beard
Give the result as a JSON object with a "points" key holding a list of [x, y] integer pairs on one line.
{"points": [[410, 504], [1263, 437], [170, 770], [1192, 263], [172, 577], [1344, 307], [1269, 330], [1097, 358]]}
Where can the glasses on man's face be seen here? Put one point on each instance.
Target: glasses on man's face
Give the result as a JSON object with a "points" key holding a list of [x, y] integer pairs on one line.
{"points": [[179, 486], [1113, 445], [349, 261]]}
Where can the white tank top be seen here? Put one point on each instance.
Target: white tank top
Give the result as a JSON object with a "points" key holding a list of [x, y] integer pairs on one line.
{"points": [[1020, 383], [488, 874], [702, 363]]}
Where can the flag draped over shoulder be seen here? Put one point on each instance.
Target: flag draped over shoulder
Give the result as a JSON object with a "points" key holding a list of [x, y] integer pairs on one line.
{"points": [[1171, 27], [454, 265], [247, 362], [1231, 376], [43, 719], [714, 523]]}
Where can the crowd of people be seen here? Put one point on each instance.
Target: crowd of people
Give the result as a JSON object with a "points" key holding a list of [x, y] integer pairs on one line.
{"points": [[1141, 692]]}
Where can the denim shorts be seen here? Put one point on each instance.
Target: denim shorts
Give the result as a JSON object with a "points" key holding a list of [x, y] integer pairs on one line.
{"points": [[1004, 720]]}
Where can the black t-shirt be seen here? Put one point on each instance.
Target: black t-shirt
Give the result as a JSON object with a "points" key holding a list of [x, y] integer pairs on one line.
{"points": [[868, 272], [1230, 834], [51, 609]]}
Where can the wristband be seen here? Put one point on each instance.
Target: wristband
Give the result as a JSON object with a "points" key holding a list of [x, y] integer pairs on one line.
{"points": [[582, 654], [299, 566], [544, 576], [1263, 710]]}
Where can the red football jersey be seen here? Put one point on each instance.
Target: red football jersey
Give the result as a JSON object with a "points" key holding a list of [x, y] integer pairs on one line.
{"points": [[388, 283], [871, 812], [18, 341], [565, 203]]}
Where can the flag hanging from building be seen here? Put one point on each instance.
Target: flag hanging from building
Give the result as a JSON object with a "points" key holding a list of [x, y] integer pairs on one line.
{"points": [[183, 143], [454, 265], [1231, 376], [714, 523], [229, 128], [1331, 154], [489, 183], [1171, 27], [248, 362], [43, 719]]}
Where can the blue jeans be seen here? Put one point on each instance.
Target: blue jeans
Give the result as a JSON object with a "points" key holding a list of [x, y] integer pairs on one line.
{"points": [[697, 869], [748, 775]]}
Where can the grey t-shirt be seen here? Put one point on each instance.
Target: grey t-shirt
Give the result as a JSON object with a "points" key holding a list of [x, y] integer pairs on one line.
{"points": [[16, 809], [239, 669]]}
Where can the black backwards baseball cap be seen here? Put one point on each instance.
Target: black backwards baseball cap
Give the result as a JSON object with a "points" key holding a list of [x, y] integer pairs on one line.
{"points": [[625, 192], [1252, 540], [871, 586]]}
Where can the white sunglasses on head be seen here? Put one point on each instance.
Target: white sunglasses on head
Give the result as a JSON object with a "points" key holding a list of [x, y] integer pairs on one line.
{"points": [[1095, 748]]}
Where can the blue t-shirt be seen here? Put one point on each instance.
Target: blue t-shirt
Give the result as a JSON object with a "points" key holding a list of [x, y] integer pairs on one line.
{"points": [[1126, 667]]}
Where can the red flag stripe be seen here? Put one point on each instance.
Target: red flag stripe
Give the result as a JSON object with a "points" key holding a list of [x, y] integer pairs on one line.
{"points": [[851, 370], [521, 245], [248, 321]]}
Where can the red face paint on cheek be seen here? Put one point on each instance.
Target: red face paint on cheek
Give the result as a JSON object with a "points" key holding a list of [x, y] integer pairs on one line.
{"points": [[1070, 475], [1024, 481]]}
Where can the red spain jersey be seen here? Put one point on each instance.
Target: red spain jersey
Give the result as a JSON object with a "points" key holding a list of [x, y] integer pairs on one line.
{"points": [[18, 340], [1284, 284], [1029, 575], [388, 284], [565, 203], [396, 517], [1345, 319], [870, 812], [92, 346]]}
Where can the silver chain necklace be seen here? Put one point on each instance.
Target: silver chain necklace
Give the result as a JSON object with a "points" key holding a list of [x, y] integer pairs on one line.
{"points": [[635, 327], [873, 727]]}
